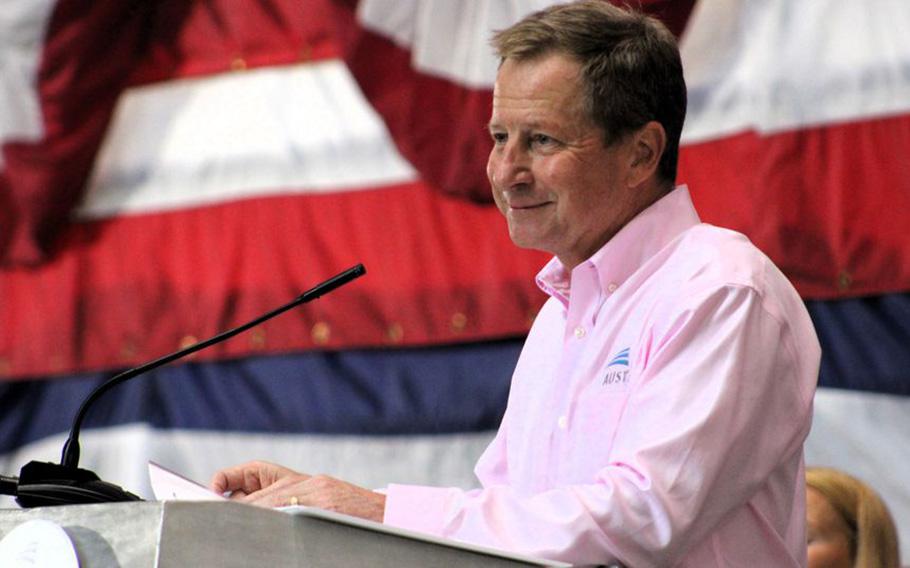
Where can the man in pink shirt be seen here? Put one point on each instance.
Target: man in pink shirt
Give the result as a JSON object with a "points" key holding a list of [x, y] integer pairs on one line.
{"points": [[658, 410]]}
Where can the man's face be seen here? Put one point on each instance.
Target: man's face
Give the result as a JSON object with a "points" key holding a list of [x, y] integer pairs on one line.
{"points": [[560, 188]]}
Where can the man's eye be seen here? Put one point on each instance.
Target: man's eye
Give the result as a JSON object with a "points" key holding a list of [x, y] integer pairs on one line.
{"points": [[541, 140], [499, 137]]}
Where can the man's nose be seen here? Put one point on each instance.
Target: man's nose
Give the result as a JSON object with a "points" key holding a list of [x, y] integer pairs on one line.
{"points": [[509, 165]]}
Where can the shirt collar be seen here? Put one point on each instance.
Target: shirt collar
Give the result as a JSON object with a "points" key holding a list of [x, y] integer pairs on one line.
{"points": [[640, 239]]}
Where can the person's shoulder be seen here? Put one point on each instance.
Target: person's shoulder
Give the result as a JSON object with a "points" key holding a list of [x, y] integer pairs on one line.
{"points": [[711, 255], [706, 260]]}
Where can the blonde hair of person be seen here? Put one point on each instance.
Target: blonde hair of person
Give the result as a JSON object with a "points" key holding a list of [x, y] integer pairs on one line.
{"points": [[873, 538]]}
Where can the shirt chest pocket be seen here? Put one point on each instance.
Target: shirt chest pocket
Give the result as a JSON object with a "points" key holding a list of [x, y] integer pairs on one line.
{"points": [[595, 418]]}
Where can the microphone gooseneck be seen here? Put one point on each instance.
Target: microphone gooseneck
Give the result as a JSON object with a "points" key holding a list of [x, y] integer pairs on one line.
{"points": [[42, 483], [70, 457]]}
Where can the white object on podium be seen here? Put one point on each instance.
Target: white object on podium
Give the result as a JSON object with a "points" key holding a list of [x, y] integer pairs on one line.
{"points": [[38, 544], [228, 534]]}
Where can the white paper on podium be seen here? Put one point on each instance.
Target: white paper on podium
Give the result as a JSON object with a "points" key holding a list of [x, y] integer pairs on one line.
{"points": [[168, 485]]}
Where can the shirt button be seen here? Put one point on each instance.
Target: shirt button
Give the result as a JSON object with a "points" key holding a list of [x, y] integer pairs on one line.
{"points": [[562, 422], [611, 287], [579, 332]]}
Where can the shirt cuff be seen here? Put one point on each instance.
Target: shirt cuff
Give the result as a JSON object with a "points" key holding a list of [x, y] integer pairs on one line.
{"points": [[417, 508]]}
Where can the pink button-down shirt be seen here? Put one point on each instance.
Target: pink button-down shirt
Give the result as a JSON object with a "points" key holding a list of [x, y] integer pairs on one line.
{"points": [[657, 412]]}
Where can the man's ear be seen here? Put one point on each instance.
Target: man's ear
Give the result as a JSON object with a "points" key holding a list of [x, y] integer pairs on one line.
{"points": [[647, 145]]}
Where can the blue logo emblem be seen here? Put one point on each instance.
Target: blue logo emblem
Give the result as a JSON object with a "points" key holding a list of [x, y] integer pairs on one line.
{"points": [[618, 369], [621, 358]]}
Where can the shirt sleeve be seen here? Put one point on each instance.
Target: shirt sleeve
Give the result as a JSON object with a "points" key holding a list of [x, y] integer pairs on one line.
{"points": [[724, 398]]}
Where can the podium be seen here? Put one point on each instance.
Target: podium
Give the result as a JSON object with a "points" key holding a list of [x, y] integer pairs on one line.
{"points": [[228, 534]]}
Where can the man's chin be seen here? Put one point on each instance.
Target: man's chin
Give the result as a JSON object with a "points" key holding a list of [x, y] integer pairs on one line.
{"points": [[525, 241]]}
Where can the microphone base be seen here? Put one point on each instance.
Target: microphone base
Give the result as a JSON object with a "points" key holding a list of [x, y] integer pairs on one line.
{"points": [[43, 484]]}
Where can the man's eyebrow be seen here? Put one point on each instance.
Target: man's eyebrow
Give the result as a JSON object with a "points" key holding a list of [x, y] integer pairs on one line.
{"points": [[533, 125], [494, 125]]}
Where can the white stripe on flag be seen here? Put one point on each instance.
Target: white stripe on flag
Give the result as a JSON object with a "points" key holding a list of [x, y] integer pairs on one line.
{"points": [[277, 130], [780, 65], [120, 455], [447, 39], [23, 25]]}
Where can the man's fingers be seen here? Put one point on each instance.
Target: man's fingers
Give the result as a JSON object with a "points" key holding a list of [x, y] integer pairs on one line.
{"points": [[248, 477], [281, 487], [280, 493], [228, 480], [268, 485], [237, 496]]}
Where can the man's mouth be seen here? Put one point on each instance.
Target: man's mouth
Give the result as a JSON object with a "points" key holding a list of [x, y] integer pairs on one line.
{"points": [[526, 206]]}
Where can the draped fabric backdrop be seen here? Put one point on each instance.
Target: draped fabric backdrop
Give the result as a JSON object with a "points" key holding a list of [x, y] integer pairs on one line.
{"points": [[172, 169]]}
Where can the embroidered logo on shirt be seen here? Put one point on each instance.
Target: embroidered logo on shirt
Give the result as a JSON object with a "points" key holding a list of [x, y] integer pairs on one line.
{"points": [[618, 369]]}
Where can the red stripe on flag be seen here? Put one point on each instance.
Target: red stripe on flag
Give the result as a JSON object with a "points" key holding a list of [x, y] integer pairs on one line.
{"points": [[829, 205], [132, 288], [189, 39]]}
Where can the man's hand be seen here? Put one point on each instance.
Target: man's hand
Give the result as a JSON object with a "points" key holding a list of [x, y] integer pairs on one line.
{"points": [[269, 485], [245, 479]]}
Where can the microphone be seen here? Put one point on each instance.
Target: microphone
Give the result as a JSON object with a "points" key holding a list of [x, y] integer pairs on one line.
{"points": [[43, 483]]}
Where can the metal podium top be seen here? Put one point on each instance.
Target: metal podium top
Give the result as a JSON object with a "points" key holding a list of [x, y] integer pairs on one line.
{"points": [[228, 534]]}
